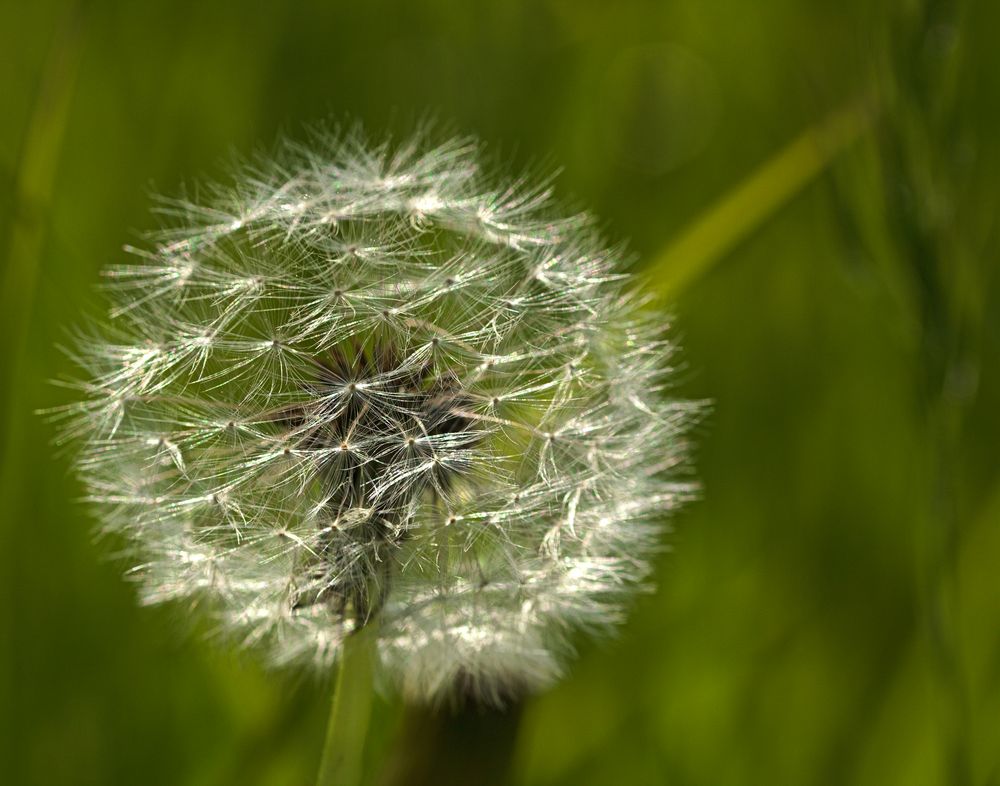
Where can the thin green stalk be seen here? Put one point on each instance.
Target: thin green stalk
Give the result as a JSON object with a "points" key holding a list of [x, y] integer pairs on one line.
{"points": [[19, 273], [350, 713], [747, 205]]}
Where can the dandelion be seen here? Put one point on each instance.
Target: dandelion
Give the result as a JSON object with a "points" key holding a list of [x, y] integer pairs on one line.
{"points": [[371, 386]]}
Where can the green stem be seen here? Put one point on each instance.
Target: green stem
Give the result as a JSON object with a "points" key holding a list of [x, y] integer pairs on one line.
{"points": [[19, 273], [351, 710], [747, 205]]}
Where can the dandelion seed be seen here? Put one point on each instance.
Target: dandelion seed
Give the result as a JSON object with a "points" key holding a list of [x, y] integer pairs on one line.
{"points": [[367, 385]]}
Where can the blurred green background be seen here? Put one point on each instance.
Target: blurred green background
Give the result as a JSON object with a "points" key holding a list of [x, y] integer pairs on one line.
{"points": [[828, 613]]}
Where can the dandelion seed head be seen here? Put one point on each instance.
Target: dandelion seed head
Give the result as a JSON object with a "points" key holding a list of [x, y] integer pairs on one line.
{"points": [[370, 383]]}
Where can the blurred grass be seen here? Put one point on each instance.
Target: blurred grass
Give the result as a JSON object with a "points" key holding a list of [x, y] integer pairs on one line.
{"points": [[753, 201], [828, 614]]}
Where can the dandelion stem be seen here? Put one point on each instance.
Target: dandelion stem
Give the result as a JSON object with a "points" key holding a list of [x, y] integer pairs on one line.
{"points": [[350, 712]]}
